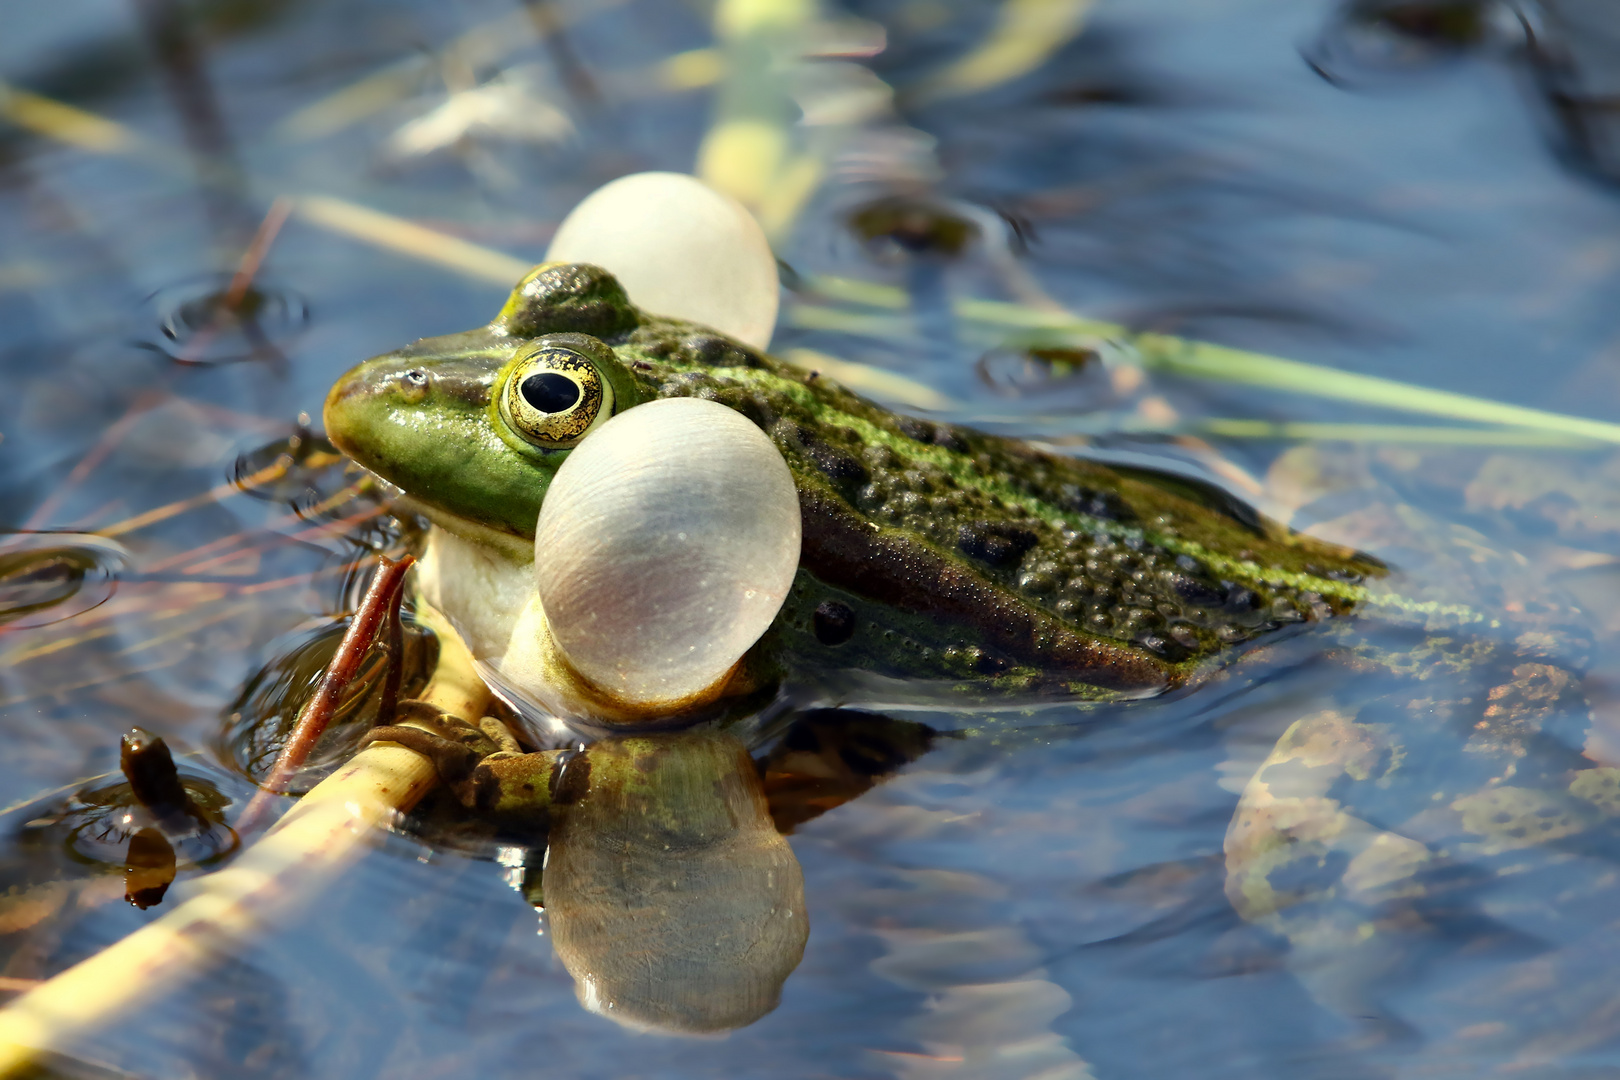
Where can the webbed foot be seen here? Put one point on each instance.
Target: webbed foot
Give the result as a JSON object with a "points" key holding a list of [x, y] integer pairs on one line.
{"points": [[482, 765]]}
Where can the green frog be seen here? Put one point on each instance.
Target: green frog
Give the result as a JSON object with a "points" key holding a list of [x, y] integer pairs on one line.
{"points": [[930, 552], [985, 566]]}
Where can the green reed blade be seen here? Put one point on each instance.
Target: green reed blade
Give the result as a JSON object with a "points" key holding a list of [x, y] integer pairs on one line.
{"points": [[1196, 359]]}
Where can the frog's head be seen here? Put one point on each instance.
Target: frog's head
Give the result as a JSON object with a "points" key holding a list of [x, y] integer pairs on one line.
{"points": [[474, 425]]}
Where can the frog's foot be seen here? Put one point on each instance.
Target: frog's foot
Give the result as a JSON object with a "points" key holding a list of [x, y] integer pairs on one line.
{"points": [[453, 745], [482, 765], [1359, 859], [1340, 890]]}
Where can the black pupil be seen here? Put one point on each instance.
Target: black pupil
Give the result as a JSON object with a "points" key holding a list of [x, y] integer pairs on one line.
{"points": [[550, 392]]}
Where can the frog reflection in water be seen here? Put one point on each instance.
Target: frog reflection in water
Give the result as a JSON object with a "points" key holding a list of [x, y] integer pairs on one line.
{"points": [[977, 566]]}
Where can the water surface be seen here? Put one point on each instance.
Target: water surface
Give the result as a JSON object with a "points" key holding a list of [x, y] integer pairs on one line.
{"points": [[1041, 896]]}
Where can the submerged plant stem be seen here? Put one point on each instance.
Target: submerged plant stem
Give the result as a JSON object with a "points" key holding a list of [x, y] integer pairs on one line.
{"points": [[328, 829], [381, 604]]}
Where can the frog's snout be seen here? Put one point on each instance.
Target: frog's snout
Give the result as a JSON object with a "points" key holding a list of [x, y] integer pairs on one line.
{"points": [[343, 402], [353, 403]]}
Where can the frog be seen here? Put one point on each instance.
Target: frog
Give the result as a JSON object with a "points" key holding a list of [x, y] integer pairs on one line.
{"points": [[931, 552], [986, 567]]}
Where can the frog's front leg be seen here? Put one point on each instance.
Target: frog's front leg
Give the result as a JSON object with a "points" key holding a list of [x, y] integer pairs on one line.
{"points": [[482, 765]]}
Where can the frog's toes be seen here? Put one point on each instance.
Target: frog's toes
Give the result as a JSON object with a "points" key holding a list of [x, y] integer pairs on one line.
{"points": [[501, 735], [482, 765], [453, 745]]}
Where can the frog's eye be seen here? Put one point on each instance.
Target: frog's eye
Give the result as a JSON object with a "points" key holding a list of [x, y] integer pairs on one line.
{"points": [[554, 396]]}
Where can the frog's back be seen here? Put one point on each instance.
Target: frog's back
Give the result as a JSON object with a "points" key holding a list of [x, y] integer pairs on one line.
{"points": [[935, 551]]}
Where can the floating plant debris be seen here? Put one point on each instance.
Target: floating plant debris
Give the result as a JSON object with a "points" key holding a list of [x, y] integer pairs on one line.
{"points": [[1371, 36], [1039, 369], [306, 473], [47, 577], [198, 324], [150, 825], [155, 782], [290, 470], [899, 224]]}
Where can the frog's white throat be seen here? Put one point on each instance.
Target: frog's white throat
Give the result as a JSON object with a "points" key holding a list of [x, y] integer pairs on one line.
{"points": [[481, 589]]}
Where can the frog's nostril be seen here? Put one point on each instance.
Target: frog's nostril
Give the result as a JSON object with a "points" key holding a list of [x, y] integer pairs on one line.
{"points": [[413, 385]]}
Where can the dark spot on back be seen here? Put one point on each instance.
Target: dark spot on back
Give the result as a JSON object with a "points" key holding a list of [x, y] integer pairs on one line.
{"points": [[1098, 504], [913, 427], [833, 462], [1193, 591], [834, 622], [681, 343], [715, 351], [994, 543], [989, 664], [758, 410], [1162, 647], [927, 431], [1238, 599]]}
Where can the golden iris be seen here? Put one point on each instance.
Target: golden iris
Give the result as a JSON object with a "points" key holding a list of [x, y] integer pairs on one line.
{"points": [[554, 396]]}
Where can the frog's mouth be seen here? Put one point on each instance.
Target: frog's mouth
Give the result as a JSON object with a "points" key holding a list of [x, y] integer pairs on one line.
{"points": [[401, 501], [520, 548]]}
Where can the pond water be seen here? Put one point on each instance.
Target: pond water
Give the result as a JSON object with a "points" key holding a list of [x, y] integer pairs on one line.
{"points": [[1416, 191]]}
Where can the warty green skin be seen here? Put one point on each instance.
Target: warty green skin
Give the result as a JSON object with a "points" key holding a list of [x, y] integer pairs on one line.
{"points": [[931, 552]]}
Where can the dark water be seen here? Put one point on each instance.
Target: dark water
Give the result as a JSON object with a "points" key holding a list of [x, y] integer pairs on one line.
{"points": [[1420, 192]]}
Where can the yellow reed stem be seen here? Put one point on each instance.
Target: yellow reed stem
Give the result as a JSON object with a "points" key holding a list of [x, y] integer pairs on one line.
{"points": [[327, 830], [409, 238]]}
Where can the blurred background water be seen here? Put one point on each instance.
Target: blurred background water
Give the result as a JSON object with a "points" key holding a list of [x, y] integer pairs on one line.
{"points": [[1420, 191]]}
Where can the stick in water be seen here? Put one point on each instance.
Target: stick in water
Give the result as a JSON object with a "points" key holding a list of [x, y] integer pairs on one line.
{"points": [[381, 602], [223, 911]]}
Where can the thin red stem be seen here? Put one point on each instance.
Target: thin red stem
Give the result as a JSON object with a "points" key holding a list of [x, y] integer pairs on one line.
{"points": [[381, 599]]}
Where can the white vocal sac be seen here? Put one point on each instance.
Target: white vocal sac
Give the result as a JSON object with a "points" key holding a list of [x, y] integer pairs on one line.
{"points": [[680, 249], [667, 543]]}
